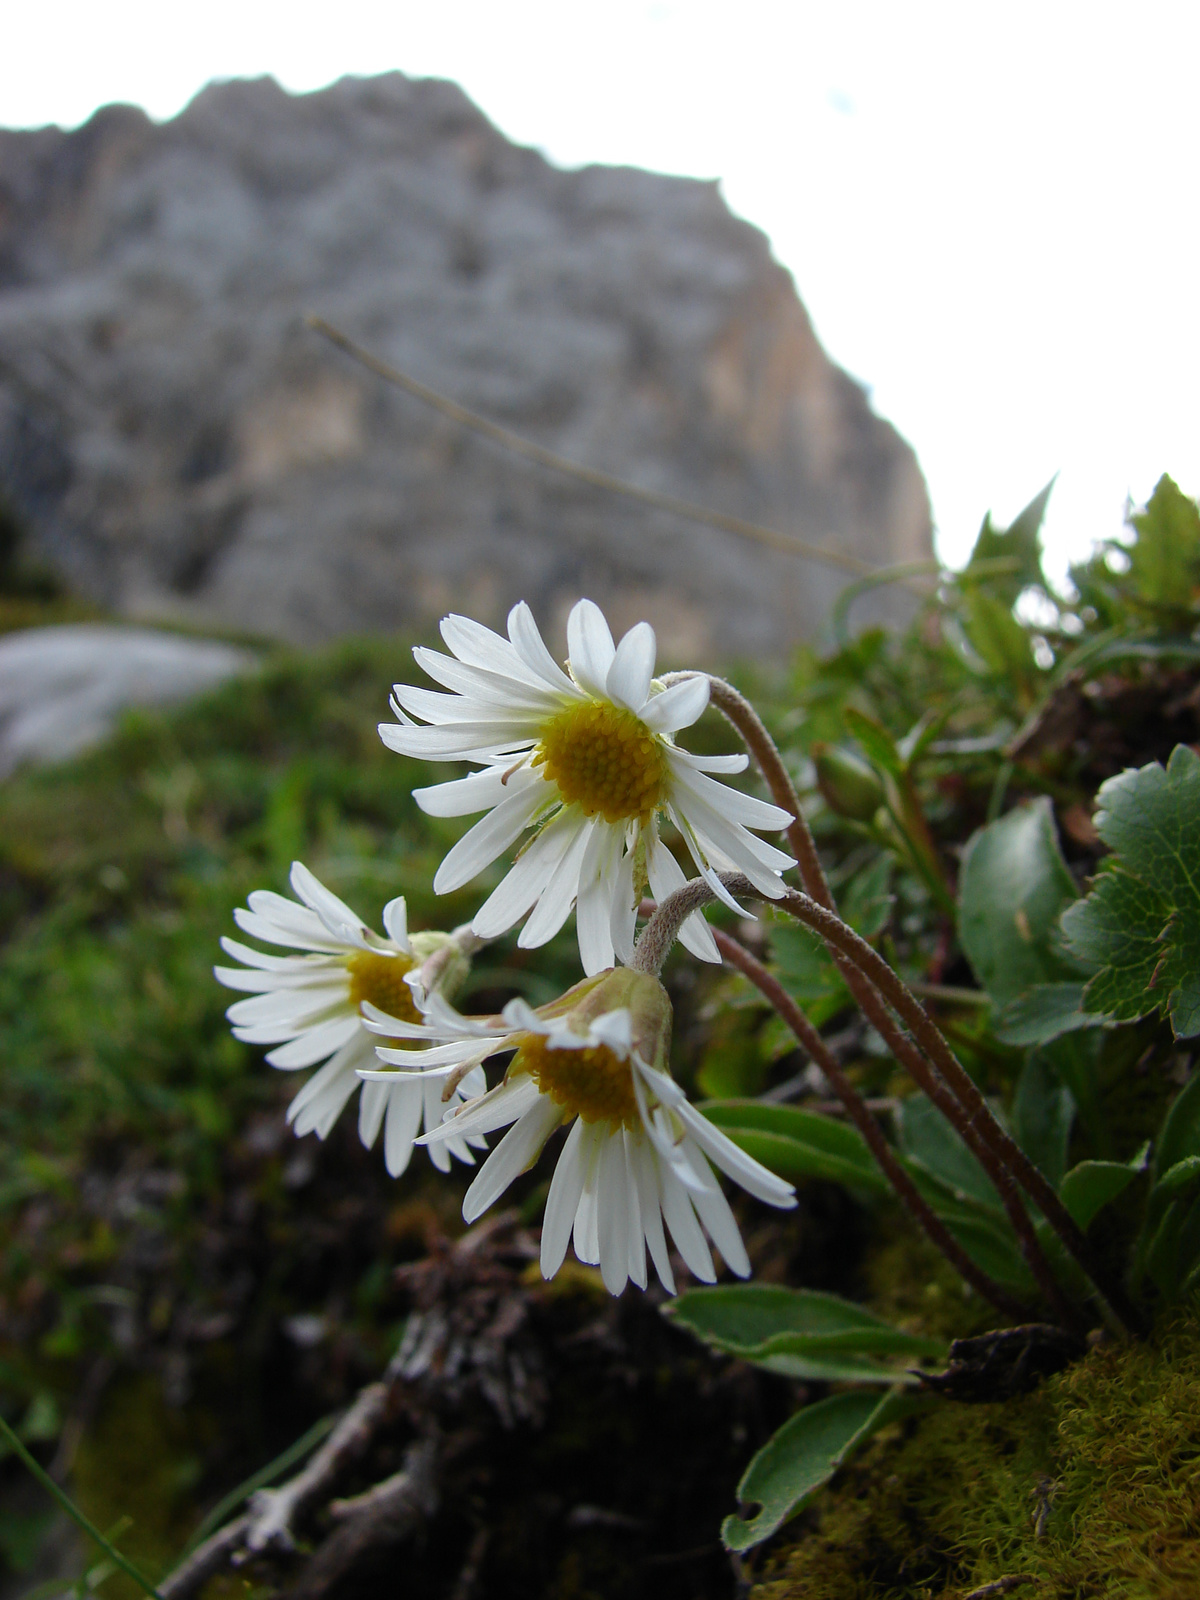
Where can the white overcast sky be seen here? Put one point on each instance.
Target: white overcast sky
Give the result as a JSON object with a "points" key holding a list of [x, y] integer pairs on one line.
{"points": [[989, 210]]}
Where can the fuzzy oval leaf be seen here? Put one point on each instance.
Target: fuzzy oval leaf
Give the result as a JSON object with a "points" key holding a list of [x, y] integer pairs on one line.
{"points": [[1182, 1174], [1090, 1186], [798, 1144], [928, 1140], [1013, 887], [742, 1317], [1180, 1135], [804, 1454]]}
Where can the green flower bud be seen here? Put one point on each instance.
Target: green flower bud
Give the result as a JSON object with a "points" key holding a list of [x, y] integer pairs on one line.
{"points": [[849, 786]]}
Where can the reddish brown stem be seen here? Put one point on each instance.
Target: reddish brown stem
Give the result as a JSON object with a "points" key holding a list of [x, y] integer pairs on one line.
{"points": [[856, 1109], [753, 732]]}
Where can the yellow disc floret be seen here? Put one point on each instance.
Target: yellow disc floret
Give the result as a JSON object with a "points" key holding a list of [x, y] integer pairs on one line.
{"points": [[380, 979], [595, 1084], [604, 759]]}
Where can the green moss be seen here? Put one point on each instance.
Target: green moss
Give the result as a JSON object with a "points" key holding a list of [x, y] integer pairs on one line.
{"points": [[1089, 1487], [135, 1466]]}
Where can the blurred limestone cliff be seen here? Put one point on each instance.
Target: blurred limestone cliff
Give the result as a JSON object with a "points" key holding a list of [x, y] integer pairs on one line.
{"points": [[179, 446]]}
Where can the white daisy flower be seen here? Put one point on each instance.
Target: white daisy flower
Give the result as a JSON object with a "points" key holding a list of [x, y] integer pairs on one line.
{"points": [[308, 1005], [637, 1154], [587, 758]]}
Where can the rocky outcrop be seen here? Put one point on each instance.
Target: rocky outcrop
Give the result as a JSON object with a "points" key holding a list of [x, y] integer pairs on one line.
{"points": [[62, 689], [182, 446]]}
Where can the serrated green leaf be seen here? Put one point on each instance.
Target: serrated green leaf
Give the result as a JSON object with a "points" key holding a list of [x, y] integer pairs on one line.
{"points": [[1164, 563], [1091, 1185], [1042, 1013], [1013, 887], [1140, 924], [804, 1454], [1008, 560]]}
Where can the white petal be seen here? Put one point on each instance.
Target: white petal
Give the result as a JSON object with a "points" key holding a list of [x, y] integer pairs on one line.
{"points": [[480, 791], [490, 837], [685, 1230], [713, 1211], [477, 685], [275, 920], [292, 1009], [556, 899], [678, 707], [586, 1231], [319, 1104], [622, 916], [526, 879], [370, 1112], [645, 1169], [516, 1153], [597, 886], [614, 1029], [531, 647], [729, 803], [406, 1103], [480, 647], [395, 920], [590, 648], [612, 1203], [666, 875], [268, 963], [562, 1202], [496, 1109], [635, 1234], [743, 1169], [730, 764], [628, 679], [312, 1046], [459, 741], [334, 913]]}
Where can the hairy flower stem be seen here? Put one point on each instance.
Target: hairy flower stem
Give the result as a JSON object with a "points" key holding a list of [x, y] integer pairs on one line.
{"points": [[966, 1118], [856, 1109], [1002, 1158]]}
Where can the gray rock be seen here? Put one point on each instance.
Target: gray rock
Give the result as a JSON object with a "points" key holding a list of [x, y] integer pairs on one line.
{"points": [[182, 446], [62, 689]]}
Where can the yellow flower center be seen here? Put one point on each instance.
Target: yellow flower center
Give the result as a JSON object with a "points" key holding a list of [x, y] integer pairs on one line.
{"points": [[380, 979], [605, 759], [593, 1084]]}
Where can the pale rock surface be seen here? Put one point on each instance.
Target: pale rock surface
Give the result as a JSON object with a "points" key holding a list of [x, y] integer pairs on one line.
{"points": [[62, 688], [182, 446]]}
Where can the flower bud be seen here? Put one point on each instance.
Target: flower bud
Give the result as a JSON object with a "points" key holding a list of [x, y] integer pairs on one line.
{"points": [[849, 786]]}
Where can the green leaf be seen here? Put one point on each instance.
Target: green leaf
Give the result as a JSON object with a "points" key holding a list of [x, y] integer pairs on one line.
{"points": [[1008, 560], [1042, 1113], [810, 1145], [999, 638], [1090, 1186], [931, 1144], [1042, 1013], [803, 1456], [741, 1317], [876, 741], [1180, 1133], [867, 902], [804, 966], [1014, 885], [1164, 563], [1178, 1177], [1140, 925]]}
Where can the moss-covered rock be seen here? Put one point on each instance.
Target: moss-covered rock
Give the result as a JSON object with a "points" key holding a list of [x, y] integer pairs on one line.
{"points": [[1088, 1487]]}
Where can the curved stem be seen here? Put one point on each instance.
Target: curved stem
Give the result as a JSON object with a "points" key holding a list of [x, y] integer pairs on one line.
{"points": [[857, 1110], [975, 1121], [754, 734]]}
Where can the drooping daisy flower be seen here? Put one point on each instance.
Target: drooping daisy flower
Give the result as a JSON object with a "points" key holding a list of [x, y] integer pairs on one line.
{"points": [[587, 758], [637, 1154], [308, 1005]]}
